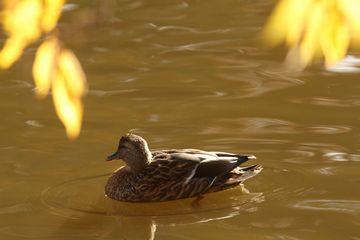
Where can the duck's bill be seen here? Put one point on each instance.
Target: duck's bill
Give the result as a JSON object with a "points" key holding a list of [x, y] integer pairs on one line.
{"points": [[112, 157]]}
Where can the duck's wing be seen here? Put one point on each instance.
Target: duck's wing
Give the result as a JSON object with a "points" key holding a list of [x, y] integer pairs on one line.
{"points": [[166, 178], [220, 164], [174, 174], [203, 163]]}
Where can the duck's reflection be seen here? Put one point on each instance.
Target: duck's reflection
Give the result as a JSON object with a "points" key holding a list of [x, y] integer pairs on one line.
{"points": [[135, 227], [140, 221]]}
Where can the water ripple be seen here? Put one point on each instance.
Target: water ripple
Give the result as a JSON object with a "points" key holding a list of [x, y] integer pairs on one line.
{"points": [[329, 129], [198, 46], [270, 126], [16, 208], [346, 206], [330, 102], [190, 29], [341, 156], [15, 84], [252, 125]]}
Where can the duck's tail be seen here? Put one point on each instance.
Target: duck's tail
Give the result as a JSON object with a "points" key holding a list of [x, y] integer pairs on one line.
{"points": [[235, 177], [241, 174]]}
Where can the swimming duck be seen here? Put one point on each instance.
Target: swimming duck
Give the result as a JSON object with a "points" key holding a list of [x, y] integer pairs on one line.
{"points": [[172, 174]]}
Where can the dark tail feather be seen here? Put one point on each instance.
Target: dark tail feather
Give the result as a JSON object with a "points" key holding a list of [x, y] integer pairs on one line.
{"points": [[242, 159]]}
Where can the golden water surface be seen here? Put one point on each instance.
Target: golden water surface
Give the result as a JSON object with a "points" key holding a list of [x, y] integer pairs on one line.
{"points": [[183, 74]]}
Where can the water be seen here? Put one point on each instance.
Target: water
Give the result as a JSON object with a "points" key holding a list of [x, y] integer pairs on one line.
{"points": [[182, 74]]}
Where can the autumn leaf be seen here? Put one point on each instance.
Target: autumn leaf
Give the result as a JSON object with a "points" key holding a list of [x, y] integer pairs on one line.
{"points": [[55, 68], [44, 66], [317, 28]]}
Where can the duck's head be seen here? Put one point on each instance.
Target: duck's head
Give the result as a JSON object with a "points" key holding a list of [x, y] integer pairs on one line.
{"points": [[133, 150]]}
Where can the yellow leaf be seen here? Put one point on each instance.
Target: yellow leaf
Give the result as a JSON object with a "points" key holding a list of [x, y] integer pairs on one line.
{"points": [[351, 12], [296, 21], [316, 28], [52, 12], [315, 22], [286, 22], [277, 25], [22, 20], [44, 66], [68, 109], [11, 51], [73, 74], [335, 40]]}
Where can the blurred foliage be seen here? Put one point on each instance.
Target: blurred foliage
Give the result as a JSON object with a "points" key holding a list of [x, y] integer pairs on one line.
{"points": [[314, 29], [55, 68]]}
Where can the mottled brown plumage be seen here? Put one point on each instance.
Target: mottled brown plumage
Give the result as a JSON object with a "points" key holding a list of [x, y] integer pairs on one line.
{"points": [[172, 174]]}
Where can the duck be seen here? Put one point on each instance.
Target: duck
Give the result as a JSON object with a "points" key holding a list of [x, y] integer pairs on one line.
{"points": [[164, 175]]}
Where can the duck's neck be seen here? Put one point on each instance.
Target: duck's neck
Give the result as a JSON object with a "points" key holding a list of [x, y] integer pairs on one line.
{"points": [[140, 161]]}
